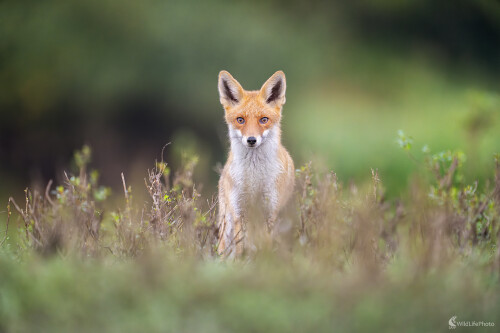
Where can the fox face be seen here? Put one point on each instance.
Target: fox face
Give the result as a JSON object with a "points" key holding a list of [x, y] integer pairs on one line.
{"points": [[253, 117]]}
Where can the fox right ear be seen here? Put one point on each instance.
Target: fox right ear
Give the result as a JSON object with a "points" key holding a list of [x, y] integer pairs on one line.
{"points": [[230, 91], [273, 91]]}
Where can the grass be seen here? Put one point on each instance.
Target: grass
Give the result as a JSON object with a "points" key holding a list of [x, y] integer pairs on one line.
{"points": [[157, 295], [345, 259]]}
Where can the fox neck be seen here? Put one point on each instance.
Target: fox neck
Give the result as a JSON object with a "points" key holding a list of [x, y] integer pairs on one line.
{"points": [[266, 151]]}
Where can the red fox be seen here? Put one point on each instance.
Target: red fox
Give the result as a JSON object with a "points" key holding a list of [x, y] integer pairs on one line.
{"points": [[258, 168]]}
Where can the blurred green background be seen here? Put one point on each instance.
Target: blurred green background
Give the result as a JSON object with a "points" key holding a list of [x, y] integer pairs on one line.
{"points": [[126, 77]]}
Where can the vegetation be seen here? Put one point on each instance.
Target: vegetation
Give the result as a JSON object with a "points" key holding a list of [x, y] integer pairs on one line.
{"points": [[345, 259], [404, 247]]}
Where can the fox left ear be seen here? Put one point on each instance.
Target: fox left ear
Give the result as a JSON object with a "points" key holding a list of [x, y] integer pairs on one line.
{"points": [[230, 91], [273, 91]]}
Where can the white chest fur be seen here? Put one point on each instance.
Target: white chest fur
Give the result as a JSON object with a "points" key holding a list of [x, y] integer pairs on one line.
{"points": [[255, 170]]}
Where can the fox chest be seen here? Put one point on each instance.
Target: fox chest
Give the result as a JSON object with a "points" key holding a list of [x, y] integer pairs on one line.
{"points": [[254, 179]]}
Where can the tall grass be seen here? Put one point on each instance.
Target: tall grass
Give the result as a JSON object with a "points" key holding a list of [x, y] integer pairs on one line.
{"points": [[343, 256]]}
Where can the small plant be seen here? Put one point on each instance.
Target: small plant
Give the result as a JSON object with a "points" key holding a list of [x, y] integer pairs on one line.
{"points": [[472, 217], [71, 217]]}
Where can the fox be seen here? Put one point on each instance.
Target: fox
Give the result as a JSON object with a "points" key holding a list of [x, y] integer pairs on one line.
{"points": [[258, 168]]}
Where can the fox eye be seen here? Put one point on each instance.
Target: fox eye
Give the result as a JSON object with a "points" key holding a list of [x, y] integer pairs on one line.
{"points": [[264, 120], [240, 120]]}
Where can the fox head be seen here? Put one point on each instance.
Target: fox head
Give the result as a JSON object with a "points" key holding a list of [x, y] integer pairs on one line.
{"points": [[253, 117]]}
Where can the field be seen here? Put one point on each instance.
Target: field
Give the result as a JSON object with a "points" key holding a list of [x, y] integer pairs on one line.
{"points": [[112, 138], [345, 259]]}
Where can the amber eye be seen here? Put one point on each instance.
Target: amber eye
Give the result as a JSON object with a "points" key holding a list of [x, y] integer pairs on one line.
{"points": [[264, 120], [240, 120]]}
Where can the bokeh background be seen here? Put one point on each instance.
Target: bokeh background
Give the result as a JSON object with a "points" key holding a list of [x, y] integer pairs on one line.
{"points": [[126, 77]]}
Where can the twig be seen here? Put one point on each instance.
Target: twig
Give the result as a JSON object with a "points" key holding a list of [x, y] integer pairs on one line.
{"points": [[129, 211], [124, 187], [165, 146], [7, 225], [376, 183], [68, 181], [47, 191], [19, 210], [448, 177], [411, 157]]}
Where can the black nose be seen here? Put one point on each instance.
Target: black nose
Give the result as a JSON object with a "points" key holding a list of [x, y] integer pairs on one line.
{"points": [[252, 140]]}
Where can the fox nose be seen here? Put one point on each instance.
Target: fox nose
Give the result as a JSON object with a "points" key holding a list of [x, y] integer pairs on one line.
{"points": [[252, 140]]}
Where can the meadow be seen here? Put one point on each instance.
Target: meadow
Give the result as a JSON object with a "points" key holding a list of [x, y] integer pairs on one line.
{"points": [[76, 258], [392, 119]]}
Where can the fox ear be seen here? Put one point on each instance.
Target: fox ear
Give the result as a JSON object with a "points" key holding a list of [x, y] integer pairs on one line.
{"points": [[273, 91], [230, 91]]}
